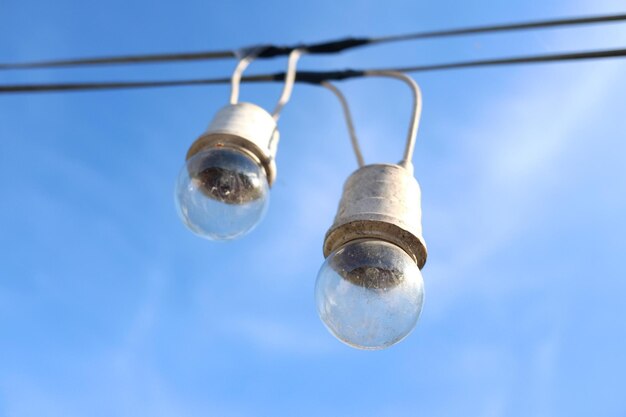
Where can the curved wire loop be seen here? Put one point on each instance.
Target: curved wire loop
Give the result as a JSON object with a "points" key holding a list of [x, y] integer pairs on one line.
{"points": [[349, 121], [235, 81], [415, 115], [290, 77]]}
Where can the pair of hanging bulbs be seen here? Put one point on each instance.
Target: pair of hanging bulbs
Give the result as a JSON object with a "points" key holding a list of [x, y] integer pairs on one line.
{"points": [[369, 291]]}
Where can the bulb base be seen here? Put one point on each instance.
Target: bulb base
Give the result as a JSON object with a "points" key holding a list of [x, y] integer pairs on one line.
{"points": [[246, 127], [383, 202]]}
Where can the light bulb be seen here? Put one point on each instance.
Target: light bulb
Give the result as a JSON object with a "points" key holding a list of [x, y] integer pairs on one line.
{"points": [[221, 193], [369, 294], [369, 291]]}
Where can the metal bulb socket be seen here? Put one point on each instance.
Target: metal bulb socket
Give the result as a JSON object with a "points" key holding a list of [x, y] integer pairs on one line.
{"points": [[380, 202], [222, 192], [244, 127], [369, 291]]}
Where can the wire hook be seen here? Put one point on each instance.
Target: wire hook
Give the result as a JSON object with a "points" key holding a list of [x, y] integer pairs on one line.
{"points": [[415, 115], [249, 55], [348, 116]]}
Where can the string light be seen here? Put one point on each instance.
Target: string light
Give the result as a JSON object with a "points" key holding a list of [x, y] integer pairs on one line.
{"points": [[222, 191], [369, 291]]}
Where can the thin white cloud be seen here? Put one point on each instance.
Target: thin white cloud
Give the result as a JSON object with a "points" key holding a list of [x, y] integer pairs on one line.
{"points": [[513, 176], [279, 336]]}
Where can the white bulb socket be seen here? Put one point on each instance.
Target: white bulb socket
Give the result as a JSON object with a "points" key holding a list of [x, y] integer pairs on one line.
{"points": [[245, 127], [383, 202]]}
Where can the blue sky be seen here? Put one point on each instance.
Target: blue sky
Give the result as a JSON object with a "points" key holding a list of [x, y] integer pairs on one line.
{"points": [[109, 307]]}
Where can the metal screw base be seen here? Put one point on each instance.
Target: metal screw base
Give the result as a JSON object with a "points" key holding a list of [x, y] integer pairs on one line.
{"points": [[380, 202], [243, 126]]}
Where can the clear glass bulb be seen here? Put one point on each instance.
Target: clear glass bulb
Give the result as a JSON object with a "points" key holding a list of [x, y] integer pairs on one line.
{"points": [[369, 294], [221, 193]]}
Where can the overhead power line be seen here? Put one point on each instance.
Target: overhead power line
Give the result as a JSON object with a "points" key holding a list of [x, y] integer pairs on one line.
{"points": [[314, 77], [333, 46], [540, 24], [114, 60]]}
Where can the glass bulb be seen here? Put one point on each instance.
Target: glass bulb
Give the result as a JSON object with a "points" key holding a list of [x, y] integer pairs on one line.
{"points": [[369, 294], [221, 193]]}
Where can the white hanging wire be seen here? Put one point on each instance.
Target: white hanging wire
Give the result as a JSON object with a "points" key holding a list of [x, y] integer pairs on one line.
{"points": [[290, 79], [415, 115], [235, 81], [349, 121]]}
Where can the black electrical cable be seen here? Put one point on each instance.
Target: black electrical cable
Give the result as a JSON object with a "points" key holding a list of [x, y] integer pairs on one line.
{"points": [[90, 86], [129, 59], [503, 28], [563, 57], [333, 46], [314, 77]]}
